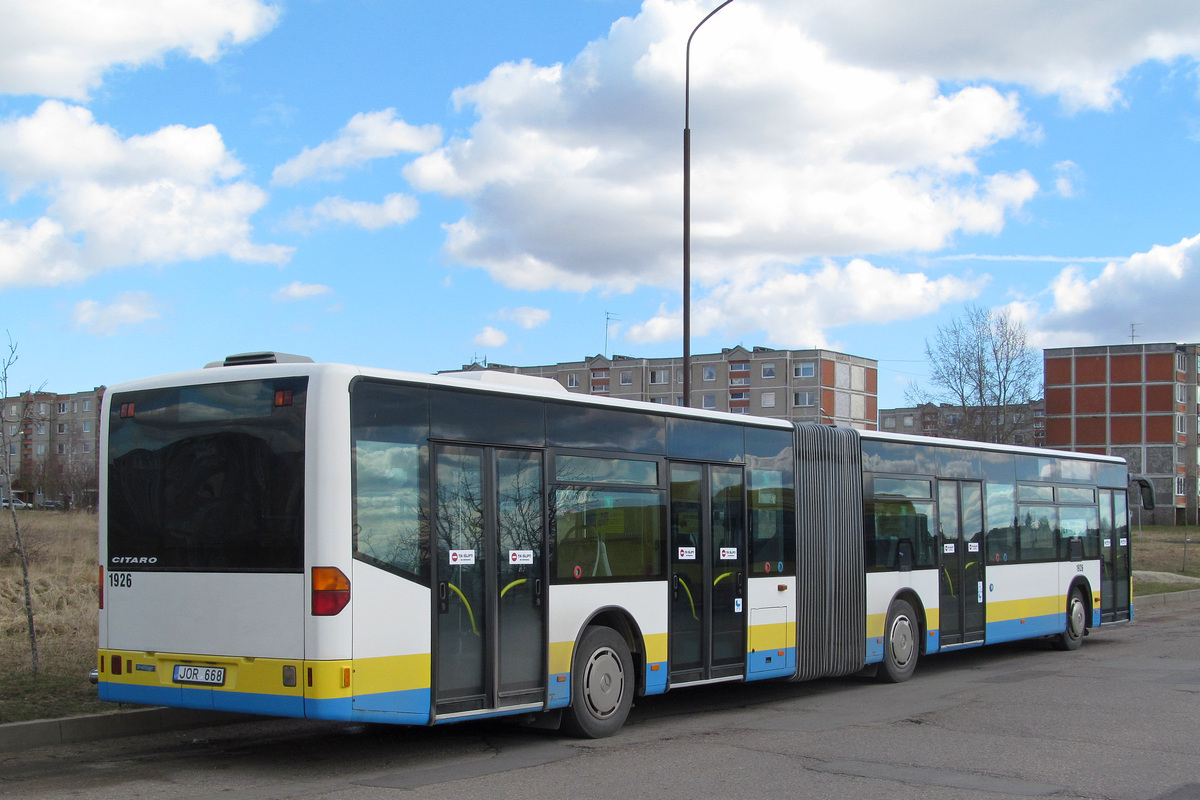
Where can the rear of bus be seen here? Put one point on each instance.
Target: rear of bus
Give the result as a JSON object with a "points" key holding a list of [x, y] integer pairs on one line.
{"points": [[205, 596]]}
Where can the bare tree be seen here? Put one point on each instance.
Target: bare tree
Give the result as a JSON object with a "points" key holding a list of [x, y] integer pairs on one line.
{"points": [[6, 474], [982, 363]]}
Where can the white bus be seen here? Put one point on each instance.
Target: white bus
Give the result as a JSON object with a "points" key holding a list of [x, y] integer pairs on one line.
{"points": [[320, 540]]}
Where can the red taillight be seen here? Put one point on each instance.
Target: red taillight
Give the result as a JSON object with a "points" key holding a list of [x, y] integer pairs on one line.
{"points": [[330, 591], [283, 398], [127, 410]]}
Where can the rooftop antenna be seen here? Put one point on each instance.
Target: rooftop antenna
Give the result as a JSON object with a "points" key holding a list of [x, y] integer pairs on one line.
{"points": [[1133, 332], [608, 317]]}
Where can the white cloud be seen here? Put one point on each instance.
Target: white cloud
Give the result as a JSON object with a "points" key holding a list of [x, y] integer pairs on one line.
{"points": [[367, 136], [129, 308], [526, 316], [490, 337], [797, 309], [1068, 175], [572, 173], [1157, 290], [62, 48], [396, 209], [110, 201], [299, 291], [1079, 50]]}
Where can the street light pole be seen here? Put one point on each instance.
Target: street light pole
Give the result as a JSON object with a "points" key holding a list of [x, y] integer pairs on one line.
{"points": [[687, 211]]}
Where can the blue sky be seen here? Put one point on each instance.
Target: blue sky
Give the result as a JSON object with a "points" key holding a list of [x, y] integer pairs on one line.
{"points": [[419, 185]]}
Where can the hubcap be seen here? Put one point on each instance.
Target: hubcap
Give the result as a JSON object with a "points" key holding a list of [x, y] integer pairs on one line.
{"points": [[1076, 622], [900, 640], [603, 682]]}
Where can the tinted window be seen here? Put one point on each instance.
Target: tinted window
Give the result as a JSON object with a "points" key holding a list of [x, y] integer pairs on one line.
{"points": [[390, 426], [494, 419], [605, 429], [606, 534], [208, 478], [705, 441]]}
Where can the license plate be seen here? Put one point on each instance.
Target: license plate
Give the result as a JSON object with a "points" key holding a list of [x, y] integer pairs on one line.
{"points": [[204, 676]]}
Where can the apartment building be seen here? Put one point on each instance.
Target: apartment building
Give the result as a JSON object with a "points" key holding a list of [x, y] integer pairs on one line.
{"points": [[1137, 401], [51, 443], [819, 386], [1020, 423]]}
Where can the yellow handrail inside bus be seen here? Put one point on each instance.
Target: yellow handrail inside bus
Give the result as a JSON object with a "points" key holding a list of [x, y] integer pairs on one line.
{"points": [[470, 614], [514, 583], [691, 602], [721, 577]]}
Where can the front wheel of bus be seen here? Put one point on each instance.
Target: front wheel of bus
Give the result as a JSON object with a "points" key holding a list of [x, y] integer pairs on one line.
{"points": [[601, 685], [1072, 637], [901, 643]]}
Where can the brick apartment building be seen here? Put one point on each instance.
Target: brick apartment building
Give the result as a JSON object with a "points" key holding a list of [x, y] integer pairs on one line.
{"points": [[1137, 401], [799, 385], [51, 443]]}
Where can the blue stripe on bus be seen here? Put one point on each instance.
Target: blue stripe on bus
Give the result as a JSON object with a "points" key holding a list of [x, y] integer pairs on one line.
{"points": [[204, 699], [656, 677], [769, 664], [1009, 630]]}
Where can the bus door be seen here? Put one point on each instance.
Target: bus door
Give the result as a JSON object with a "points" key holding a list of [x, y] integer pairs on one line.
{"points": [[708, 572], [1114, 556], [489, 626], [960, 521]]}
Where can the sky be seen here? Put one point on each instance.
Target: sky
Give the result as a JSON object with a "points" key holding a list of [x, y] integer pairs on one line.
{"points": [[420, 186]]}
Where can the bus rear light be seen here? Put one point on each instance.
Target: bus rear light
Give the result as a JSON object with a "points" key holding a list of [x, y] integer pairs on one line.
{"points": [[330, 591], [127, 410], [283, 398]]}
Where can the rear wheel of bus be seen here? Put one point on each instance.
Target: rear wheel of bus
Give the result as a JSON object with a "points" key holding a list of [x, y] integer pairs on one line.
{"points": [[602, 685]]}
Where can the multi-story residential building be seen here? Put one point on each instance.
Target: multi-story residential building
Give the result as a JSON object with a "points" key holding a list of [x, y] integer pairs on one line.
{"points": [[51, 443], [1020, 424], [1137, 401], [820, 386]]}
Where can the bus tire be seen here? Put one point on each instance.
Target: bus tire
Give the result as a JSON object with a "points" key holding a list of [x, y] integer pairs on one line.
{"points": [[602, 685], [901, 643], [1072, 636]]}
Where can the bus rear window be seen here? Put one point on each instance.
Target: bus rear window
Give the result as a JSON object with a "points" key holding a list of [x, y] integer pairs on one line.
{"points": [[208, 478]]}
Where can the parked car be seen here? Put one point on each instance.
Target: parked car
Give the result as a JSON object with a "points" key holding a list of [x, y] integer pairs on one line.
{"points": [[15, 502], [53, 505]]}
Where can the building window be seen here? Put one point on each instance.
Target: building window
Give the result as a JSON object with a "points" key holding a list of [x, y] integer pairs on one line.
{"points": [[709, 401], [889, 423], [62, 408], [739, 381], [74, 406], [803, 399], [41, 429], [1180, 393], [87, 427], [87, 405], [626, 378], [739, 410], [739, 395], [739, 366], [572, 380], [768, 399], [62, 427], [62, 449], [768, 370], [1181, 361], [87, 447], [1180, 423], [660, 377], [710, 373], [661, 401], [600, 374], [805, 369], [12, 430], [1179, 485], [907, 421], [41, 449]]}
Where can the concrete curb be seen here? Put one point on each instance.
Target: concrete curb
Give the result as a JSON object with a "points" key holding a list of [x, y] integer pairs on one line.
{"points": [[92, 727], [1154, 602]]}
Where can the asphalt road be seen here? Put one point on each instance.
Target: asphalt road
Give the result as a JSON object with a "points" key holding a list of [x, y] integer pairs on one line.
{"points": [[1120, 718]]}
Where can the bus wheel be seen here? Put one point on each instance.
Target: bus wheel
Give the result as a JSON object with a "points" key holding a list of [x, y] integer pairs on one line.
{"points": [[1072, 637], [601, 685], [901, 643]]}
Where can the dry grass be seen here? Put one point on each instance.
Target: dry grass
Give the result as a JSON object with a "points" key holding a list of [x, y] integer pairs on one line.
{"points": [[62, 568]]}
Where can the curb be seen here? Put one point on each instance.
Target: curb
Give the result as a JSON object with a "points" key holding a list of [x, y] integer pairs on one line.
{"points": [[112, 724], [1154, 602]]}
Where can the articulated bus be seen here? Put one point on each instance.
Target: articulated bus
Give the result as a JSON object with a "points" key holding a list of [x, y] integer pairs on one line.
{"points": [[318, 540]]}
